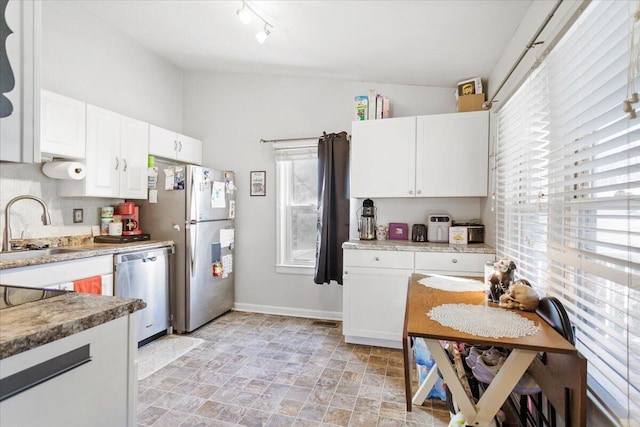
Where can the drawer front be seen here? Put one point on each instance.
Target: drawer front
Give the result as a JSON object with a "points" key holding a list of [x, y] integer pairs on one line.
{"points": [[452, 261], [55, 273], [378, 259]]}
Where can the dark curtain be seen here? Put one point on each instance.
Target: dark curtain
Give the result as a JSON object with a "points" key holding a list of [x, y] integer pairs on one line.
{"points": [[333, 206]]}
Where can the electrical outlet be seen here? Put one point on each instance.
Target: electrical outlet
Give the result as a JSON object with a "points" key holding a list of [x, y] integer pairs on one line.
{"points": [[78, 215]]}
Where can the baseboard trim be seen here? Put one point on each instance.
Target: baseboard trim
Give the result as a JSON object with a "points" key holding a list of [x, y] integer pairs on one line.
{"points": [[376, 342], [288, 311]]}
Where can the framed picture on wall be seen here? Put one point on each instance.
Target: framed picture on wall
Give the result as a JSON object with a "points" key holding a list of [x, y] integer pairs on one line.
{"points": [[258, 183]]}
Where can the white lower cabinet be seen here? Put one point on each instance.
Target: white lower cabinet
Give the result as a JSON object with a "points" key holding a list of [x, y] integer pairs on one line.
{"points": [[60, 275], [375, 289], [86, 379]]}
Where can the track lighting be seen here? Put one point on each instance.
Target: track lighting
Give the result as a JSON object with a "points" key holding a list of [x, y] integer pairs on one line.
{"points": [[262, 35], [245, 14]]}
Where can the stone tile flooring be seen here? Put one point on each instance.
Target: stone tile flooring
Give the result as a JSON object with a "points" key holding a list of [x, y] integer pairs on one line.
{"points": [[266, 370]]}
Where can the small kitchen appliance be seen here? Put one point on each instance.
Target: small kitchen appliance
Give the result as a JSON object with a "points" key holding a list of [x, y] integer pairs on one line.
{"points": [[474, 231], [130, 218], [438, 228], [367, 227], [419, 233]]}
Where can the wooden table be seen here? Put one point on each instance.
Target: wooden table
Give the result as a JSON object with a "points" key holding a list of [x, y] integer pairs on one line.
{"points": [[420, 300]]}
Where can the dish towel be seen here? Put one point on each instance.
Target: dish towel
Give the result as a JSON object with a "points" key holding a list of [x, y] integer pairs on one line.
{"points": [[89, 285]]}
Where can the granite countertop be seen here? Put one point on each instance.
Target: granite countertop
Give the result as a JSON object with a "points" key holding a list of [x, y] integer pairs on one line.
{"points": [[33, 324], [85, 251], [408, 245]]}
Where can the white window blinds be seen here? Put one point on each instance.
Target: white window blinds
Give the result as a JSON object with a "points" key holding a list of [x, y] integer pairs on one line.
{"points": [[568, 195]]}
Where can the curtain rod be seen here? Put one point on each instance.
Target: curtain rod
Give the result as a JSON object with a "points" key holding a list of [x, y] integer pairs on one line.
{"points": [[262, 141], [531, 44]]}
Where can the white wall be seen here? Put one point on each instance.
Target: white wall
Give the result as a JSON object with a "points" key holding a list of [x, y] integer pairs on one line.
{"points": [[231, 112], [84, 58]]}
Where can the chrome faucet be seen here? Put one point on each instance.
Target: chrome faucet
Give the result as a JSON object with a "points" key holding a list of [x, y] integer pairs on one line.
{"points": [[6, 238]]}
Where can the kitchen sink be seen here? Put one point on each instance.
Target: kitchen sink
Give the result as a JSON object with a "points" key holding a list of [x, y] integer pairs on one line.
{"points": [[18, 255]]}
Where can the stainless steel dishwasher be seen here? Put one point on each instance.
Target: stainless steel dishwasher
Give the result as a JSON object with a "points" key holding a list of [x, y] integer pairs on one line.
{"points": [[145, 275]]}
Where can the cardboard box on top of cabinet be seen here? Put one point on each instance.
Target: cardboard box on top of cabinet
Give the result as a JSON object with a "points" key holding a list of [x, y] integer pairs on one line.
{"points": [[470, 87], [470, 102]]}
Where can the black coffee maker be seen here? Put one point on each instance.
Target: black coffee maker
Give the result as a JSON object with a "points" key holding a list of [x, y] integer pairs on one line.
{"points": [[367, 225], [419, 233]]}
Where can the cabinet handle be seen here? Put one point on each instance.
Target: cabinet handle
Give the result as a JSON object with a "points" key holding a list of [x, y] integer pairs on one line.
{"points": [[455, 261], [419, 191], [377, 258], [117, 163], [410, 191], [180, 146], [124, 161], [175, 145], [346, 272]]}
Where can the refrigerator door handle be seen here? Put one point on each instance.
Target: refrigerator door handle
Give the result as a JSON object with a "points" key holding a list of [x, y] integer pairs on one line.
{"points": [[193, 230], [194, 198]]}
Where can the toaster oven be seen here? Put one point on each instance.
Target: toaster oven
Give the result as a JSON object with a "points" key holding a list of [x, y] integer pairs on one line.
{"points": [[475, 232]]}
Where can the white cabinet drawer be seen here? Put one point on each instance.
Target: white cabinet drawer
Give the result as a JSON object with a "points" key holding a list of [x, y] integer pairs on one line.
{"points": [[378, 259], [43, 275], [454, 262]]}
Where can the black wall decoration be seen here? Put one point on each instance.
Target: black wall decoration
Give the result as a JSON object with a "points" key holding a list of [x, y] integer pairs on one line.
{"points": [[7, 79]]}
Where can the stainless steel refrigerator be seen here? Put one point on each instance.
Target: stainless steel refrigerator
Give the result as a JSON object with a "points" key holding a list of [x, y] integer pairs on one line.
{"points": [[196, 209]]}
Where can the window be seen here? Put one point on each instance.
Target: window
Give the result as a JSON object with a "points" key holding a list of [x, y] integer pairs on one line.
{"points": [[567, 192], [297, 215]]}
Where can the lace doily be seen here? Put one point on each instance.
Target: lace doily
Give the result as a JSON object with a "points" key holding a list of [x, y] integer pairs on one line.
{"points": [[483, 321], [452, 284]]}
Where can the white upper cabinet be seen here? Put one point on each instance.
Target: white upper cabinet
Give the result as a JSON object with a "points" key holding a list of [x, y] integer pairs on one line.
{"points": [[20, 82], [383, 158], [116, 157], [174, 146], [134, 152], [444, 155], [452, 154], [62, 126]]}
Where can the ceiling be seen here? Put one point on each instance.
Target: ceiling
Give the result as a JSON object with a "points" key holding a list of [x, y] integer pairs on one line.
{"points": [[429, 42]]}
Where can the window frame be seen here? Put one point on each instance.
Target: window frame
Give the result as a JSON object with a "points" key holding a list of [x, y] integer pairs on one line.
{"points": [[296, 150]]}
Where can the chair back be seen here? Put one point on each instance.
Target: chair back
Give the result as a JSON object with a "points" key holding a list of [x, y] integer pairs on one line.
{"points": [[553, 312]]}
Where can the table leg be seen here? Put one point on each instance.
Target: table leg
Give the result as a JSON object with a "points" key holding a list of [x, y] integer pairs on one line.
{"points": [[451, 378], [426, 386], [500, 388], [406, 345]]}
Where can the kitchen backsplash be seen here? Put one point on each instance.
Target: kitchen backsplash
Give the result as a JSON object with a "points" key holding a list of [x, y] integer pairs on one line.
{"points": [[416, 210], [18, 179]]}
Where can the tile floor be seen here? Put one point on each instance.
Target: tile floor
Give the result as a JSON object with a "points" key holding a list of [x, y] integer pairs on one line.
{"points": [[265, 370]]}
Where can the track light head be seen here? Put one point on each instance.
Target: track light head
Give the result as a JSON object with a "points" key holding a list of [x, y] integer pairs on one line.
{"points": [[244, 14], [262, 35]]}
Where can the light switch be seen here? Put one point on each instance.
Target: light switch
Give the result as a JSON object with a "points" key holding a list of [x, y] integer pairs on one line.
{"points": [[78, 215]]}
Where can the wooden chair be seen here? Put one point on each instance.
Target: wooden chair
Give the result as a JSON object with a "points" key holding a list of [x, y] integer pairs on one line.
{"points": [[559, 389]]}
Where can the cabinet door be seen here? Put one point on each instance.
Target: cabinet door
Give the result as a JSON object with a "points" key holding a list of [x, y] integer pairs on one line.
{"points": [[189, 150], [103, 153], [95, 393], [134, 143], [383, 158], [373, 306], [452, 155], [162, 142], [19, 82], [62, 126]]}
